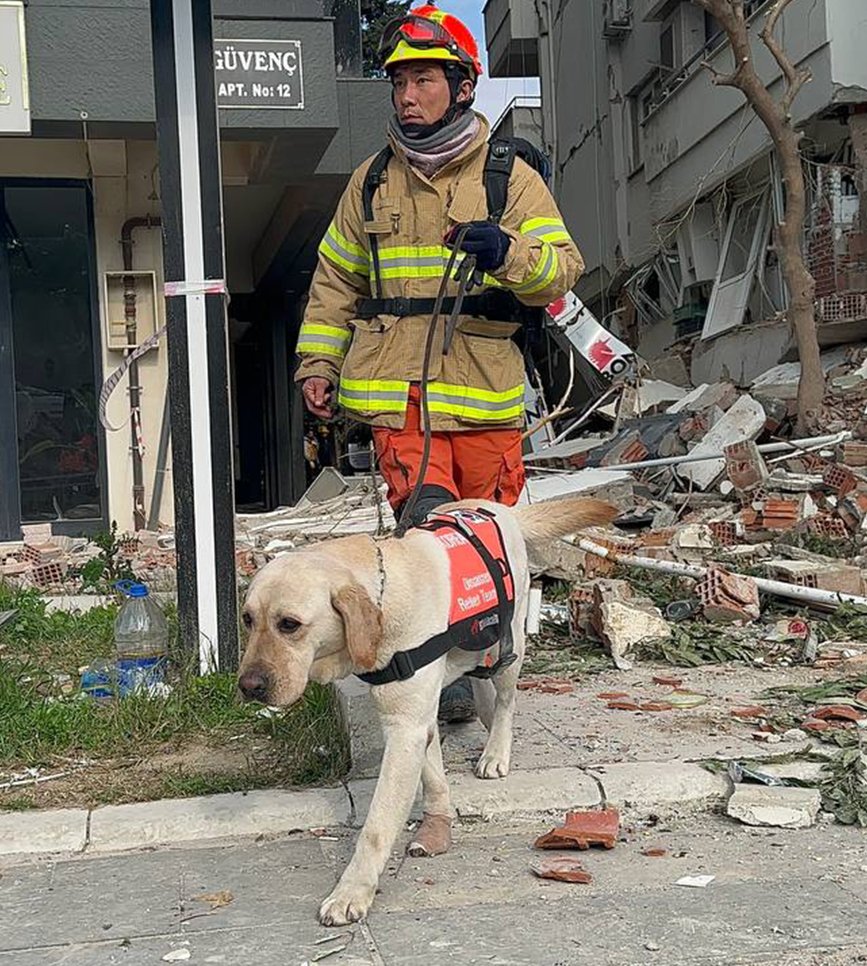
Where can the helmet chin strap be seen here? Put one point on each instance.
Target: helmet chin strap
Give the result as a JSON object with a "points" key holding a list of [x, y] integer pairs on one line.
{"points": [[455, 77]]}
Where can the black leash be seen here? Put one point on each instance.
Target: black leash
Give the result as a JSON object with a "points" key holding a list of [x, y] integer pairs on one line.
{"points": [[464, 277]]}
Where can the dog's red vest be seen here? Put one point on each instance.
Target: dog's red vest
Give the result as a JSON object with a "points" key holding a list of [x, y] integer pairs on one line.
{"points": [[474, 599], [482, 595]]}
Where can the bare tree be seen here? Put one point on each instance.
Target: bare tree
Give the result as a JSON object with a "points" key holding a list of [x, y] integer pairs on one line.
{"points": [[776, 115]]}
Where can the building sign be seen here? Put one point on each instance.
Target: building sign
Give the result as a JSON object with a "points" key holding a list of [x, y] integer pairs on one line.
{"points": [[14, 94], [258, 74]]}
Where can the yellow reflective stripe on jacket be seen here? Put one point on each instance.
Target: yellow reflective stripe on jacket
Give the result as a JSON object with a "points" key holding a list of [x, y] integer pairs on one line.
{"points": [[344, 253], [543, 274], [328, 340], [546, 229], [373, 395], [470, 403]]}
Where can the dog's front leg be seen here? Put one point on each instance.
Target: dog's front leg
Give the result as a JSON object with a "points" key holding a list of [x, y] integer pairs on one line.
{"points": [[497, 755], [395, 791]]}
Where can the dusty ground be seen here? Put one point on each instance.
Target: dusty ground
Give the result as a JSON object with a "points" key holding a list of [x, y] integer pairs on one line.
{"points": [[579, 729]]}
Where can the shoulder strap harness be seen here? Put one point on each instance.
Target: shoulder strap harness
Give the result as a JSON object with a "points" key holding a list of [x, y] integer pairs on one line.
{"points": [[372, 180]]}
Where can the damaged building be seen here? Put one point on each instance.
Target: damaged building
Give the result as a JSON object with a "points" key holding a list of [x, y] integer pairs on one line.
{"points": [[81, 269], [670, 185]]}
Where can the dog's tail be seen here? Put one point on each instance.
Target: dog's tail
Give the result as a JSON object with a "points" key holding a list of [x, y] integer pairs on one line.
{"points": [[560, 518]]}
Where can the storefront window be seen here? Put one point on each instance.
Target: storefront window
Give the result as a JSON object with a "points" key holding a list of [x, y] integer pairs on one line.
{"points": [[48, 244]]}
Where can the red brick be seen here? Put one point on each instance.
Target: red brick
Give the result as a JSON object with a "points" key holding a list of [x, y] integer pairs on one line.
{"points": [[728, 597]]}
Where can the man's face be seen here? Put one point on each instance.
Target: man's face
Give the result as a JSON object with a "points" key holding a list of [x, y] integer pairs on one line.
{"points": [[420, 92]]}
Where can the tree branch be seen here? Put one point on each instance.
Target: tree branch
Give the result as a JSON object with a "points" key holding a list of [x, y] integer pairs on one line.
{"points": [[723, 80], [795, 79]]}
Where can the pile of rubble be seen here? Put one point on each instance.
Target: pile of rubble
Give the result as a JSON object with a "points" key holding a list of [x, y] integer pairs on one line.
{"points": [[714, 499], [332, 507], [709, 488]]}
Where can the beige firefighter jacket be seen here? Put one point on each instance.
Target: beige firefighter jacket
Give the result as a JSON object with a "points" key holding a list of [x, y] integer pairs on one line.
{"points": [[480, 383]]}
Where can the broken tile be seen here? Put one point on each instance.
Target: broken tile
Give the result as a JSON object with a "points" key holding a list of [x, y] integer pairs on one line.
{"points": [[581, 830], [562, 868], [838, 712]]}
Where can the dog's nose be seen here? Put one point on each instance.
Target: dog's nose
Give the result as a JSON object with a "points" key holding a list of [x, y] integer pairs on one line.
{"points": [[254, 685]]}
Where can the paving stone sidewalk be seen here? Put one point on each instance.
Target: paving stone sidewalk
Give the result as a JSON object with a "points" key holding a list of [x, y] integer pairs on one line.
{"points": [[777, 898]]}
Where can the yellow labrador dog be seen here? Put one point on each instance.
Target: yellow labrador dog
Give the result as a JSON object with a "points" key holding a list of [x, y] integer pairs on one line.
{"points": [[348, 606]]}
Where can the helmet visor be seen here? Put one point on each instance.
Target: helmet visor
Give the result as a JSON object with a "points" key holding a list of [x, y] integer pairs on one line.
{"points": [[421, 33]]}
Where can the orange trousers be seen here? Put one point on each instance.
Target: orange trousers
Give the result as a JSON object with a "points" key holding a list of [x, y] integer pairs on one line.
{"points": [[482, 464]]}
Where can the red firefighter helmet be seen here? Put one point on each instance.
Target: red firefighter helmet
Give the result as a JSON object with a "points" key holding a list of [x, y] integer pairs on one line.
{"points": [[428, 33]]}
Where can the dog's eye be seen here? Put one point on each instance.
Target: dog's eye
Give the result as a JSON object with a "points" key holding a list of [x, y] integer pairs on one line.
{"points": [[286, 625], [247, 620]]}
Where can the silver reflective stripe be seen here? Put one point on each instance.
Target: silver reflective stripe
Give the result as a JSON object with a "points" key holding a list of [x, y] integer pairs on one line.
{"points": [[316, 339], [329, 241], [547, 231], [539, 277], [373, 394], [469, 402], [404, 261]]}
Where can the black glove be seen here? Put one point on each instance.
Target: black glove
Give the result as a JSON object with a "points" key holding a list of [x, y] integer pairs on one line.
{"points": [[487, 241]]}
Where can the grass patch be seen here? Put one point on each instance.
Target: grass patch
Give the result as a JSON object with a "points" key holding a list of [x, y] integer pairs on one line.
{"points": [[198, 739]]}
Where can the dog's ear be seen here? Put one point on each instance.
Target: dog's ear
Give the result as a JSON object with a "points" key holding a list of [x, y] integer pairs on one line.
{"points": [[362, 624]]}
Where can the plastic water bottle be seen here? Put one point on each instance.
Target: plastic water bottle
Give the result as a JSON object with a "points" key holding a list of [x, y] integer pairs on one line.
{"points": [[141, 638]]}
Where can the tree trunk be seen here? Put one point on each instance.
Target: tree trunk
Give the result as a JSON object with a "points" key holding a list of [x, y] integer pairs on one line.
{"points": [[800, 283], [789, 234]]}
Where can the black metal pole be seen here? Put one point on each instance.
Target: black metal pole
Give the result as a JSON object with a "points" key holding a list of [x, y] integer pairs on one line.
{"points": [[192, 224]]}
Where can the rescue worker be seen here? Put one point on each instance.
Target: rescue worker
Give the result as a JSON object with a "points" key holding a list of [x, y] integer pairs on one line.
{"points": [[365, 354]]}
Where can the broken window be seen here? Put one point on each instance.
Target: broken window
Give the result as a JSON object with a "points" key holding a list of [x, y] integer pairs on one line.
{"points": [[666, 48], [745, 240]]}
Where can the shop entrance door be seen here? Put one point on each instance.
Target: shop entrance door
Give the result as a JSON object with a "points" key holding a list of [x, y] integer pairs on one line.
{"points": [[52, 464]]}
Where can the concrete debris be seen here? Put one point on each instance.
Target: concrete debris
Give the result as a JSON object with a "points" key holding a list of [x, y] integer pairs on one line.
{"points": [[845, 578], [652, 394], [777, 806], [743, 421], [719, 395], [623, 620]]}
